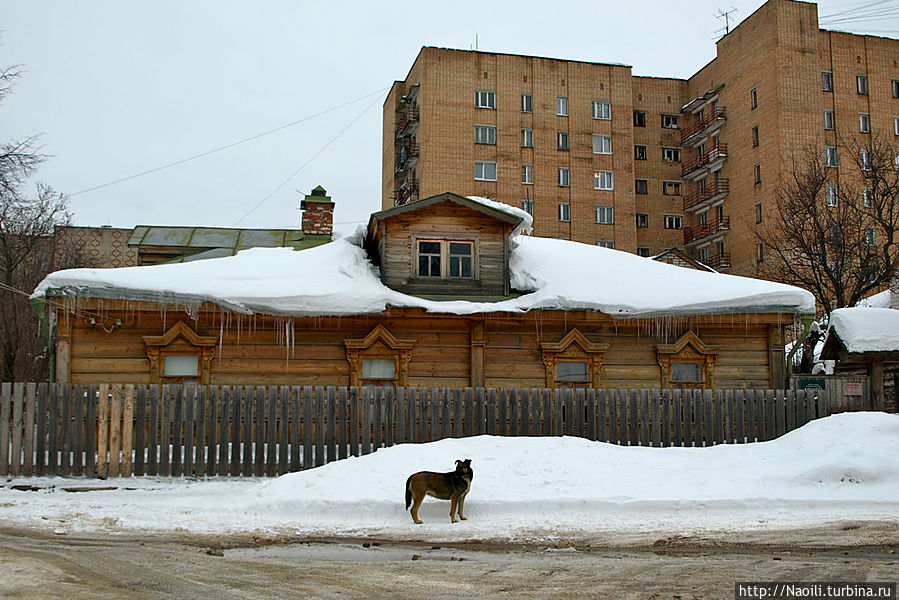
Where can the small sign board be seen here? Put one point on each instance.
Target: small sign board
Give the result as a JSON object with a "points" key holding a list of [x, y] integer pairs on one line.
{"points": [[852, 389], [815, 383]]}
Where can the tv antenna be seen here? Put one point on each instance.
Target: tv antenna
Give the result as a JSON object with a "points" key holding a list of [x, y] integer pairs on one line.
{"points": [[725, 14]]}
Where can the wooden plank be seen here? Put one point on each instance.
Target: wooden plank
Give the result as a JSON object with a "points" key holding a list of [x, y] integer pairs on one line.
{"points": [[502, 412], [708, 419], [28, 440], [633, 404], [645, 418], [402, 418], [365, 420], [153, 438], [677, 419], [308, 435], [126, 467], [355, 435], [665, 414], [40, 446], [247, 401], [792, 410], [78, 430], [259, 431], [780, 417], [283, 430], [231, 441], [602, 419], [590, 414], [188, 418], [115, 430], [490, 402], [614, 417], [201, 408], [271, 439], [140, 430], [655, 411], [738, 417], [697, 418], [6, 401], [296, 433], [514, 400], [213, 414], [343, 423], [65, 429], [17, 428], [459, 406], [578, 412], [377, 421], [331, 416], [102, 431], [770, 412], [480, 411], [719, 416]]}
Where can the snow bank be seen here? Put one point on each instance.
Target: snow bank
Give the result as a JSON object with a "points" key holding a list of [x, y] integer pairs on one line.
{"points": [[864, 329], [525, 489], [338, 279]]}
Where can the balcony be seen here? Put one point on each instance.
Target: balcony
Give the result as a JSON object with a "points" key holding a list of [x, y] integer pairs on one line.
{"points": [[710, 159], [696, 234], [407, 120], [406, 155], [711, 193], [719, 261], [406, 193], [705, 126]]}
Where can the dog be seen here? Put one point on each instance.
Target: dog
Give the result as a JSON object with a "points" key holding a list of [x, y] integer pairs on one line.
{"points": [[451, 486]]}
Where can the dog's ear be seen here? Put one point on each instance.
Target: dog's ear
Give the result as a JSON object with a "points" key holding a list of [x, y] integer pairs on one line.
{"points": [[467, 462], [459, 462]]}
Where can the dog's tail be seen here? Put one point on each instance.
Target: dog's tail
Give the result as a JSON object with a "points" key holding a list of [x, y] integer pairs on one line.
{"points": [[408, 492]]}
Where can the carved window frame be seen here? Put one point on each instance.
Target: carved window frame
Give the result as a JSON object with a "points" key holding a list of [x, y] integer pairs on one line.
{"points": [[180, 339], [574, 346], [379, 343], [689, 348]]}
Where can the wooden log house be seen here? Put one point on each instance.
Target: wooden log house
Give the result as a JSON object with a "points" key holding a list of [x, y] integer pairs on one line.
{"points": [[445, 291]]}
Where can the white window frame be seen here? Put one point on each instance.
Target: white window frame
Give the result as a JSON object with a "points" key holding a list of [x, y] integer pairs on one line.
{"points": [[645, 187], [639, 152], [829, 120], [864, 123], [562, 106], [527, 103], [527, 206], [861, 84], [833, 195], [870, 236], [603, 180], [864, 159], [602, 110], [895, 125], [867, 197], [753, 98], [527, 137], [670, 121], [674, 221], [831, 156], [642, 220], [565, 212], [563, 141], [485, 134], [671, 188], [639, 118], [604, 214], [894, 85], [602, 144], [671, 154], [527, 174], [482, 170], [485, 99], [610, 244], [826, 81], [564, 177]]}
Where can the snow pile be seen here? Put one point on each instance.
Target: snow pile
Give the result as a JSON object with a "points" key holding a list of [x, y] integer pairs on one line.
{"points": [[864, 329], [527, 221], [337, 279], [537, 489]]}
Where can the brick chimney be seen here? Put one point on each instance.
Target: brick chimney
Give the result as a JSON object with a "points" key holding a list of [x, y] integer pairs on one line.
{"points": [[318, 213]]}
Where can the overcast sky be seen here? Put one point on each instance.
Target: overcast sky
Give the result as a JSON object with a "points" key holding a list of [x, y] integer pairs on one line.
{"points": [[122, 88]]}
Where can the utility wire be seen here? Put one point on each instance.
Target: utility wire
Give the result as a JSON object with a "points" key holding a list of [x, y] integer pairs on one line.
{"points": [[306, 164], [227, 146]]}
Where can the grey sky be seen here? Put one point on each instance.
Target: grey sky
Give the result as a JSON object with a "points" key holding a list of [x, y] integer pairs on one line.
{"points": [[119, 88]]}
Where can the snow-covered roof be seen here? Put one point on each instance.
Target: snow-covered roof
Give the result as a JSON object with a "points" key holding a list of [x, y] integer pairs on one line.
{"points": [[863, 329], [338, 279]]}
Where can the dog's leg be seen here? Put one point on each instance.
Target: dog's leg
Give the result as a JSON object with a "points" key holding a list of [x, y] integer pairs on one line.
{"points": [[416, 502], [462, 506], [453, 502]]}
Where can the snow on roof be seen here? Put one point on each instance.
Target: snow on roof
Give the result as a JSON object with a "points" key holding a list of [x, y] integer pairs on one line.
{"points": [[527, 221], [338, 279], [879, 300], [863, 329]]}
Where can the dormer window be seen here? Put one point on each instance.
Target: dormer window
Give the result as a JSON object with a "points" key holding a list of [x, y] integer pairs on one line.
{"points": [[446, 259]]}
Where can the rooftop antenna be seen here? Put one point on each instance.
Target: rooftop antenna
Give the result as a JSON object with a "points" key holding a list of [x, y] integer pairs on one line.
{"points": [[476, 41], [725, 14]]}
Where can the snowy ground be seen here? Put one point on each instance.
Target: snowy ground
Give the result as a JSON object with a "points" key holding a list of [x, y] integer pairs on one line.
{"points": [[835, 470]]}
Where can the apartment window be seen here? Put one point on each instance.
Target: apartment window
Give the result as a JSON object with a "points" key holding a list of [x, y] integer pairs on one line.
{"points": [[527, 138], [562, 106], [758, 212], [864, 123], [753, 98], [564, 211], [828, 120], [527, 103], [861, 84], [895, 85], [759, 252], [868, 197], [671, 154], [870, 236], [527, 174], [755, 136], [833, 195], [669, 121], [827, 81], [528, 206], [643, 251], [642, 220], [895, 125], [603, 180], [671, 188], [602, 109], [484, 170], [606, 244], [830, 156], [757, 172], [605, 215], [602, 144], [641, 186], [563, 140], [639, 118], [564, 177], [673, 222], [864, 160], [485, 99], [640, 152], [485, 134]]}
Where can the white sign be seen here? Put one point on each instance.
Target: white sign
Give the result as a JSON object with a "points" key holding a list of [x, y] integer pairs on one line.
{"points": [[852, 389]]}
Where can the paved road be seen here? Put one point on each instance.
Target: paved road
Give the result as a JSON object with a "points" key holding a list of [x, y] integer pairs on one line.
{"points": [[43, 565]]}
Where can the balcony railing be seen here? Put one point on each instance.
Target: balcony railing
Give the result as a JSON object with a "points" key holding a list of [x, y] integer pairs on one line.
{"points": [[711, 155], [719, 261], [694, 234], [711, 192], [406, 156], [717, 117], [407, 121], [407, 192]]}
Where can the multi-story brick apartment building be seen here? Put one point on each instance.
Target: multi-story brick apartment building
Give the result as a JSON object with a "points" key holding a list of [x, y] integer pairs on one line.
{"points": [[641, 163]]}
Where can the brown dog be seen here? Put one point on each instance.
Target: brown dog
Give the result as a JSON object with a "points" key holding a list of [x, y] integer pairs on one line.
{"points": [[451, 486]]}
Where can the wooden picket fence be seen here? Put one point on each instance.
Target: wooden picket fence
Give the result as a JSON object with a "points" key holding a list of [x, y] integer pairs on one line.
{"points": [[122, 430]]}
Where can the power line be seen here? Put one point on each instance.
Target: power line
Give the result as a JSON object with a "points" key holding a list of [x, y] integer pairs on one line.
{"points": [[306, 164], [227, 146]]}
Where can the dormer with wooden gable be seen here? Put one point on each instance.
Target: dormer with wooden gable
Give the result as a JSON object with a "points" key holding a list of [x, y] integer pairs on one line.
{"points": [[444, 246]]}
